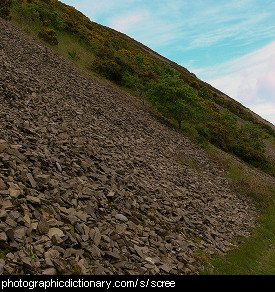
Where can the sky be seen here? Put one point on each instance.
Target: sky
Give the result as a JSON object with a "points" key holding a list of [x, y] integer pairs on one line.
{"points": [[228, 43]]}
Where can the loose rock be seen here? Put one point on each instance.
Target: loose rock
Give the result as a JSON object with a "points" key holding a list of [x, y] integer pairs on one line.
{"points": [[93, 183]]}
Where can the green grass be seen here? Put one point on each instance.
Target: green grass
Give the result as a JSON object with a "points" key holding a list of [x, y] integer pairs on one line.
{"points": [[68, 44], [255, 255], [248, 186], [70, 47]]}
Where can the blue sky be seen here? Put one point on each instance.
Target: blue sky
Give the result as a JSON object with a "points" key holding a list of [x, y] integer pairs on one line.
{"points": [[227, 43]]}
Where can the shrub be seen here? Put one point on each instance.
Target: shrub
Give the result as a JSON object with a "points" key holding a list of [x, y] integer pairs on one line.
{"points": [[230, 120], [194, 84], [221, 136], [73, 55], [49, 36], [108, 68], [256, 135], [56, 22], [5, 9], [205, 93], [250, 155]]}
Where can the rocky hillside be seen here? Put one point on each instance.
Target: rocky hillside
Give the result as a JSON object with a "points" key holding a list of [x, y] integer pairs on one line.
{"points": [[92, 183], [200, 111]]}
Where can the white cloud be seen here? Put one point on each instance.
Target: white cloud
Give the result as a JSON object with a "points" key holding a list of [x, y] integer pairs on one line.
{"points": [[126, 23], [249, 79]]}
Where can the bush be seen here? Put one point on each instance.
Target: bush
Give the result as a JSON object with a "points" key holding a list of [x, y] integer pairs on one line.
{"points": [[221, 136], [56, 22], [49, 36], [110, 65], [5, 9], [205, 93], [256, 136], [108, 68], [250, 155]]}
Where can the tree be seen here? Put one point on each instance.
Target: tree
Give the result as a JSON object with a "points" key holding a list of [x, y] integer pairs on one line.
{"points": [[133, 81], [205, 93], [255, 134], [5, 9], [175, 99], [181, 111]]}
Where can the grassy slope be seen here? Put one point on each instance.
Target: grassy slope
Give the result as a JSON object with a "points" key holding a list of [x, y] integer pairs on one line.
{"points": [[255, 255]]}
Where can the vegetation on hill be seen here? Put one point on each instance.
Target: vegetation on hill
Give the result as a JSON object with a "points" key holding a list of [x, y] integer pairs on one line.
{"points": [[176, 93], [255, 254], [5, 9]]}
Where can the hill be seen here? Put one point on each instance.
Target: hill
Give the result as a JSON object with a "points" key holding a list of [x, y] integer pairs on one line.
{"points": [[200, 111], [92, 181], [96, 182]]}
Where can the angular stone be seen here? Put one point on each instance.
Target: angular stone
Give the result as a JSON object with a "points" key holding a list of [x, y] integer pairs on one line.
{"points": [[27, 262], [43, 226], [3, 236], [48, 262], [15, 152], [55, 231], [4, 192], [60, 265], [51, 254], [2, 264], [150, 261], [58, 167], [11, 222], [14, 215], [3, 146], [56, 240], [33, 200], [113, 255], [165, 268], [27, 219], [7, 205], [20, 234], [121, 217], [49, 272], [10, 233], [72, 219], [42, 179], [14, 193], [139, 251], [3, 186], [31, 180], [3, 213], [83, 266], [82, 215], [111, 194], [97, 236]]}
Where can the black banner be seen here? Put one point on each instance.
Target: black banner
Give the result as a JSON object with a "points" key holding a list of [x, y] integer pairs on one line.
{"points": [[108, 283]]}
